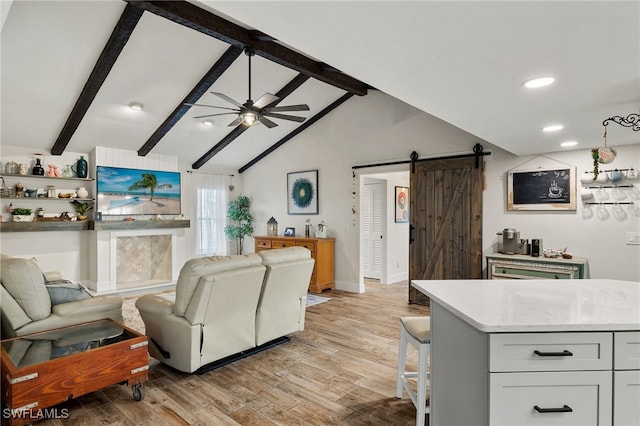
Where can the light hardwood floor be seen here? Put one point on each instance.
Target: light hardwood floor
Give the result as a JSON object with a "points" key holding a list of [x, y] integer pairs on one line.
{"points": [[339, 371]]}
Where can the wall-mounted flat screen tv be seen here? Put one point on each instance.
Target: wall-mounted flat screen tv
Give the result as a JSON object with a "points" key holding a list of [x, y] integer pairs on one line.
{"points": [[128, 192]]}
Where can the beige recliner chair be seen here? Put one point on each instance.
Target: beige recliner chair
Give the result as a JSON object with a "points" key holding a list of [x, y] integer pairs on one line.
{"points": [[213, 315], [228, 307], [26, 306], [283, 300]]}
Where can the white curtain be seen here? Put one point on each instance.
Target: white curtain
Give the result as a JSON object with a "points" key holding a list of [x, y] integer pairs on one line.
{"points": [[211, 196]]}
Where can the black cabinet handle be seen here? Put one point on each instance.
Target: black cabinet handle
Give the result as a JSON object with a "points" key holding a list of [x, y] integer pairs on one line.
{"points": [[563, 353], [411, 228], [564, 409]]}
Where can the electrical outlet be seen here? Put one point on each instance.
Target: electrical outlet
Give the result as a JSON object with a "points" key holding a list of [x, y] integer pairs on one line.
{"points": [[632, 238]]}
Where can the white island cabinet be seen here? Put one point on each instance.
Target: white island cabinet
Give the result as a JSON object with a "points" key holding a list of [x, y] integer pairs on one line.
{"points": [[534, 352]]}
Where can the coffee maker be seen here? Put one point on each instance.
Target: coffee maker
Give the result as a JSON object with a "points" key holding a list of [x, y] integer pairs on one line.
{"points": [[510, 240]]}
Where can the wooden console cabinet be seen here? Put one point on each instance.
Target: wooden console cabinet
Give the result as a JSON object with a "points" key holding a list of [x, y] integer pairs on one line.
{"points": [[322, 250]]}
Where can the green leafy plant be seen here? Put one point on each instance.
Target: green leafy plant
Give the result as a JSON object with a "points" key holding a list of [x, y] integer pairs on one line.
{"points": [[596, 161], [19, 211], [80, 207], [238, 212]]}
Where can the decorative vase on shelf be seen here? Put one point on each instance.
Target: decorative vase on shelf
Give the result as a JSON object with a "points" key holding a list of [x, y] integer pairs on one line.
{"points": [[37, 169], [68, 172], [82, 167], [82, 192]]}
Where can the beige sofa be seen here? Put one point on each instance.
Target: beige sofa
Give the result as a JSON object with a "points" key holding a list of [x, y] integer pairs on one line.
{"points": [[26, 305], [228, 307]]}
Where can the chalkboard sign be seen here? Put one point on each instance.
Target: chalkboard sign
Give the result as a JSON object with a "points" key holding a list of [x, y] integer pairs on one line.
{"points": [[542, 189]]}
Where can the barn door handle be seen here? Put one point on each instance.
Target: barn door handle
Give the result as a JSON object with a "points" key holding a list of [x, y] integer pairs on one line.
{"points": [[411, 228]]}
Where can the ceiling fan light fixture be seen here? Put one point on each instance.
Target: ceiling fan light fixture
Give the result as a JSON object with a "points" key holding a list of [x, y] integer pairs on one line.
{"points": [[538, 82], [136, 106], [249, 118]]}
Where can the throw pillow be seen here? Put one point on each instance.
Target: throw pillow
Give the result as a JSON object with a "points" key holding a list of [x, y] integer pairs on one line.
{"points": [[23, 280], [64, 291]]}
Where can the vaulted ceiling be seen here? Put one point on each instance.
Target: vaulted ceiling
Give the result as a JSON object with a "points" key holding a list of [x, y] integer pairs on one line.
{"points": [[71, 68], [164, 55]]}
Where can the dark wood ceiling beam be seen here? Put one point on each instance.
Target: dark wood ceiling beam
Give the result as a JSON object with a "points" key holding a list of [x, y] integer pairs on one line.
{"points": [[297, 130], [205, 22], [118, 39], [237, 131], [221, 65]]}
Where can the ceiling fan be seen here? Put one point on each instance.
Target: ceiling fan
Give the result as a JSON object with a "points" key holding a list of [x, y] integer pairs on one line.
{"points": [[250, 112]]}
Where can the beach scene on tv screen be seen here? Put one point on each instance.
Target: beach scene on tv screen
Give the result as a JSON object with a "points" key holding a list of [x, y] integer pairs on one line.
{"points": [[124, 191]]}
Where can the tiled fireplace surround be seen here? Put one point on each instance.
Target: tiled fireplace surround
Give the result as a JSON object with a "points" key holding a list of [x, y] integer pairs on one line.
{"points": [[134, 260]]}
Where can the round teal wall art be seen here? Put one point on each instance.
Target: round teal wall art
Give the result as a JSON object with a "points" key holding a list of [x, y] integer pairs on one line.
{"points": [[302, 192]]}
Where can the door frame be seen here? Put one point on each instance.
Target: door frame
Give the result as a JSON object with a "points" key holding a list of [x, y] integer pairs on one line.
{"points": [[377, 172]]}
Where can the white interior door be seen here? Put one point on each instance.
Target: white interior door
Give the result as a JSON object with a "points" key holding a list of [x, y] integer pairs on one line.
{"points": [[372, 227]]}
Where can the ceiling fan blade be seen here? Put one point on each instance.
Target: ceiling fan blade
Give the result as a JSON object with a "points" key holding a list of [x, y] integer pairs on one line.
{"points": [[300, 107], [236, 122], [264, 120], [228, 99], [213, 106], [285, 116], [214, 115], [265, 100]]}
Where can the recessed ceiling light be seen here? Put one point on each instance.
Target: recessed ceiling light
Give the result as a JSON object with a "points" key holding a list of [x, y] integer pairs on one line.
{"points": [[136, 106], [207, 123], [568, 144], [538, 82], [553, 128]]}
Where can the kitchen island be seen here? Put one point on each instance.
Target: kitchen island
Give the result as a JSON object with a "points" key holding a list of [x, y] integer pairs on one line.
{"points": [[534, 352]]}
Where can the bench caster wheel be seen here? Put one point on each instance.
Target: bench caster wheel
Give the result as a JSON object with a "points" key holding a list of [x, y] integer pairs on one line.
{"points": [[138, 392]]}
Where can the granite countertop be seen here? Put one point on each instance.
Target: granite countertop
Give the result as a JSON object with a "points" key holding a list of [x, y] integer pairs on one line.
{"points": [[500, 306]]}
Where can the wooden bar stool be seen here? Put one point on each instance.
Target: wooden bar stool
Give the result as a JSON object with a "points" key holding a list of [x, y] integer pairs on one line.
{"points": [[417, 331]]}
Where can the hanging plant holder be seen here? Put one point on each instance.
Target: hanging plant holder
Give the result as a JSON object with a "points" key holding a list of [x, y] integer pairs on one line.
{"points": [[602, 155]]}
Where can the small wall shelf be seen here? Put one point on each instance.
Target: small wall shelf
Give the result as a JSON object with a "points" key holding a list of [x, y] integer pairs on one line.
{"points": [[44, 226], [113, 225], [107, 225], [46, 199], [12, 175]]}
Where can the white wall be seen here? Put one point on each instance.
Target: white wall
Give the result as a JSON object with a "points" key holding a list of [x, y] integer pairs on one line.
{"points": [[371, 129], [378, 128], [602, 242], [366, 129]]}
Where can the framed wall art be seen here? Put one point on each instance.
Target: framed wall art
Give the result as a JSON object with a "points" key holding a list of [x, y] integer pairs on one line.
{"points": [[542, 189], [402, 204], [302, 192]]}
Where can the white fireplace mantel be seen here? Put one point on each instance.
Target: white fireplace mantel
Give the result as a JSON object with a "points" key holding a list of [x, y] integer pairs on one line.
{"points": [[104, 257]]}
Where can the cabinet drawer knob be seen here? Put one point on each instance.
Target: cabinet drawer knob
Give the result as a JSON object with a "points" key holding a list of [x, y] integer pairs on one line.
{"points": [[564, 409], [563, 353]]}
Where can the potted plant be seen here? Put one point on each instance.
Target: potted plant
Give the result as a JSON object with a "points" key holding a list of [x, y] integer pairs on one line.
{"points": [[81, 208], [238, 212], [22, 215]]}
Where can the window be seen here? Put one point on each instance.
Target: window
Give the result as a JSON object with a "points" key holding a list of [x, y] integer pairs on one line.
{"points": [[211, 210]]}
